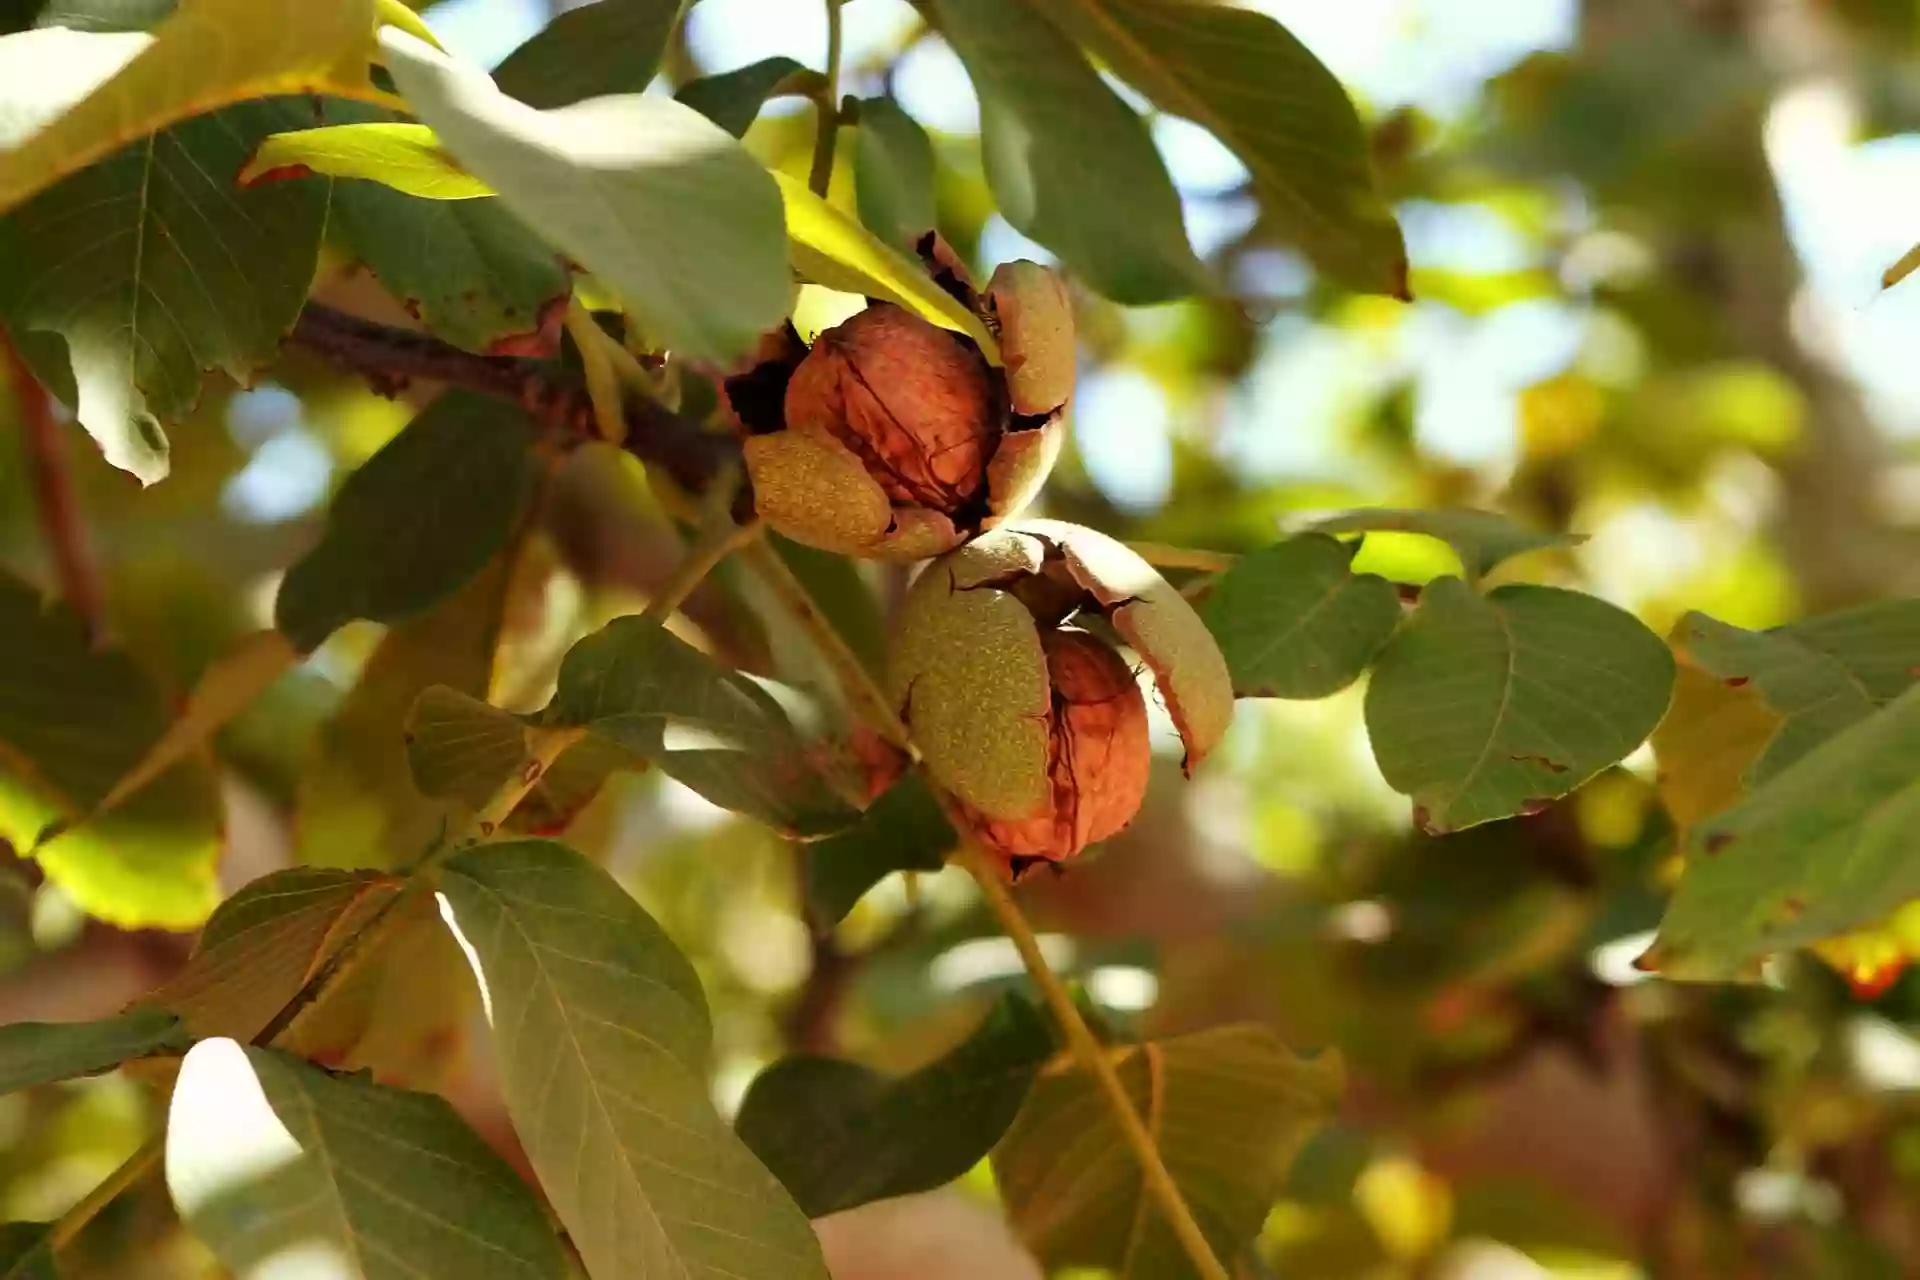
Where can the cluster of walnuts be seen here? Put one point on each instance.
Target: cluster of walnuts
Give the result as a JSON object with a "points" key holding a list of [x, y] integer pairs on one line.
{"points": [[893, 438]]}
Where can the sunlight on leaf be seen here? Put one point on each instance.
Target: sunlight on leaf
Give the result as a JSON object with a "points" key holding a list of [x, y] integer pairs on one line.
{"points": [[406, 157]]}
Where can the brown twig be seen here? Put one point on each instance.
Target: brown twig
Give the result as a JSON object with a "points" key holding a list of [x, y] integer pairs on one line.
{"points": [[389, 358], [75, 568]]}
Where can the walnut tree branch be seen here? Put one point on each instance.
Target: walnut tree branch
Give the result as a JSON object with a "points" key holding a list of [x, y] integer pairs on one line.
{"points": [[75, 568], [389, 358]]}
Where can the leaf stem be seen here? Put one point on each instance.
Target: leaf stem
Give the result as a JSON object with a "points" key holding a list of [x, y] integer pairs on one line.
{"points": [[862, 690], [74, 565], [1093, 1058], [544, 746], [700, 561], [135, 1167], [827, 113], [1165, 556]]}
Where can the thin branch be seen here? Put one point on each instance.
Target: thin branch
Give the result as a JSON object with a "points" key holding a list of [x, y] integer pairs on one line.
{"points": [[1093, 1058], [75, 568], [827, 110], [135, 1167], [701, 559], [389, 358]]}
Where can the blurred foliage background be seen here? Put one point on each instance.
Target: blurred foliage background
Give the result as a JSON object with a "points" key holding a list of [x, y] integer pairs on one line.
{"points": [[1647, 237]]}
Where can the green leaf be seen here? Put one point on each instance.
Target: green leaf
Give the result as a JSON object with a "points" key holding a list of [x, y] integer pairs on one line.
{"points": [[1824, 847], [1487, 706], [406, 157], [904, 830], [636, 684], [26, 1251], [839, 1135], [74, 720], [590, 50], [42, 1052], [1820, 674], [1229, 1108], [264, 943], [60, 114], [1071, 164], [358, 806], [417, 521], [152, 268], [1294, 620], [281, 1169], [1245, 78], [660, 204], [733, 99], [893, 173], [1482, 539], [833, 250], [604, 1046]]}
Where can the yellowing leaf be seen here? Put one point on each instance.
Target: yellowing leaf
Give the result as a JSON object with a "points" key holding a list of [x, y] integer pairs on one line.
{"points": [[1908, 264], [831, 249], [209, 54], [1712, 734], [406, 157]]}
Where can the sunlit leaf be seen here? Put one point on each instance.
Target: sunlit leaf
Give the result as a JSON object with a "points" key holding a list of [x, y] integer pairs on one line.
{"points": [[589, 50], [281, 1168], [406, 157], [839, 1135], [1487, 706], [1294, 620], [1823, 847], [1819, 674], [659, 203], [42, 1052], [1246, 78], [831, 249], [357, 805], [151, 268], [893, 173], [1070, 163], [417, 521], [636, 684], [1482, 539], [604, 1046], [64, 107], [733, 99], [1707, 742], [904, 830], [264, 943], [1228, 1107], [75, 720]]}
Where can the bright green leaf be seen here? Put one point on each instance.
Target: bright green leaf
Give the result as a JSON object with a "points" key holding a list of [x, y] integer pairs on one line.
{"points": [[839, 1135], [1823, 847], [42, 1052], [1295, 621], [417, 521], [1482, 539], [1246, 78], [1820, 674], [210, 54], [1070, 163], [733, 99], [831, 249], [893, 173], [152, 269], [282, 1168], [406, 157], [904, 830], [74, 720], [1487, 706], [264, 943], [604, 1048], [590, 50], [471, 271], [358, 806], [660, 204], [636, 684], [1229, 1108]]}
